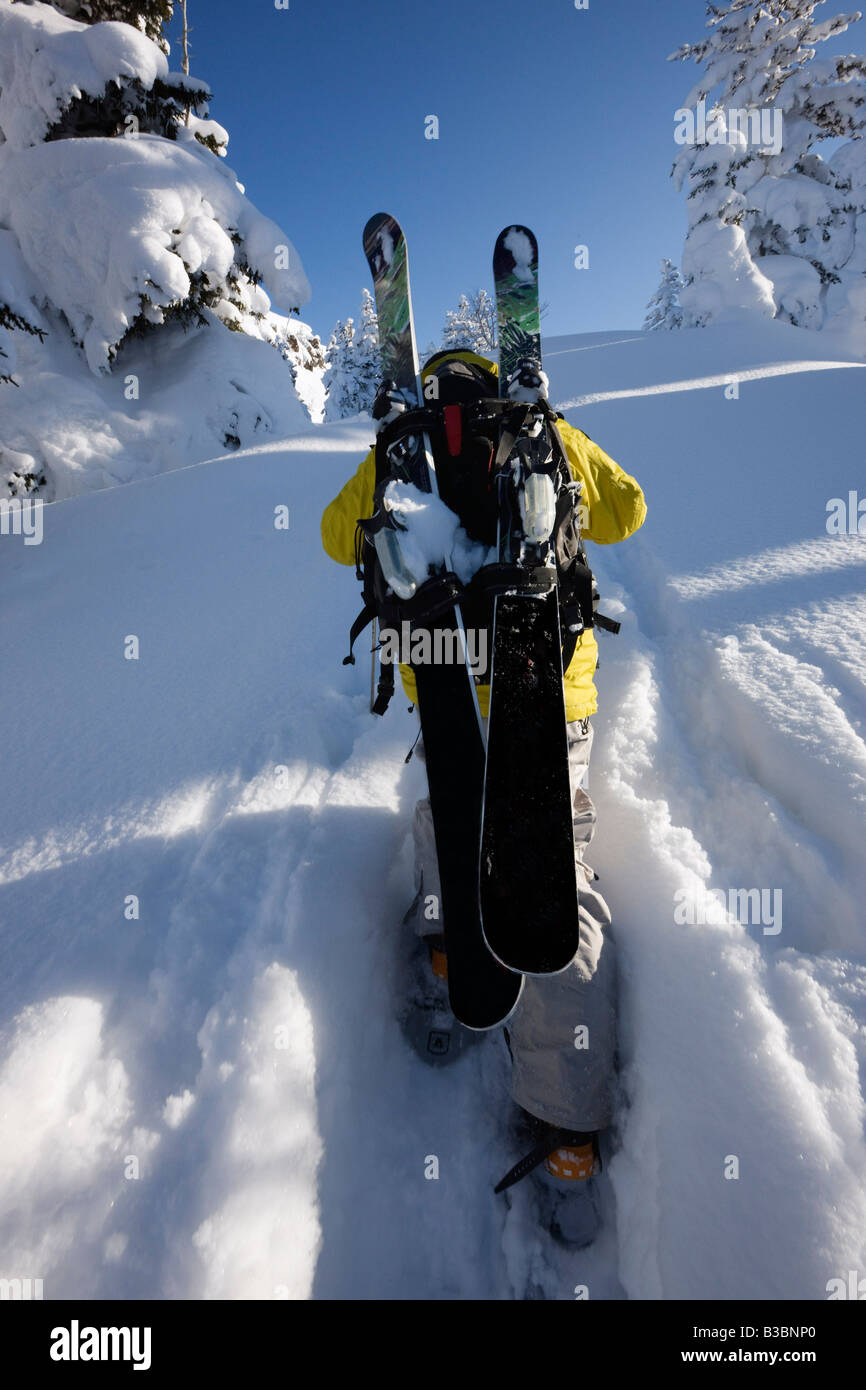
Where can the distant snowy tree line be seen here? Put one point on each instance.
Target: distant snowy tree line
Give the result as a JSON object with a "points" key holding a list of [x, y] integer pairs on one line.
{"points": [[354, 371]]}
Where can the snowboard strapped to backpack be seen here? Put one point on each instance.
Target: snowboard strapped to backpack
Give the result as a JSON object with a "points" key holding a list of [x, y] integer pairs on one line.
{"points": [[472, 433]]}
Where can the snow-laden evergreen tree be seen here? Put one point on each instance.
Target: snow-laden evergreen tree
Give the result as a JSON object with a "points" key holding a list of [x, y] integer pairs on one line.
{"points": [[339, 379], [368, 361], [773, 226], [354, 368], [663, 310], [155, 225], [152, 103], [144, 226], [18, 313], [19, 474], [147, 15], [9, 322], [472, 324], [303, 352]]}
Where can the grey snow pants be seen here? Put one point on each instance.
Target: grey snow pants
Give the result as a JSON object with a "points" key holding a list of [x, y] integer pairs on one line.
{"points": [[563, 1030]]}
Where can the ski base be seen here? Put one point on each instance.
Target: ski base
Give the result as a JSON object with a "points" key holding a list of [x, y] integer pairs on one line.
{"points": [[482, 991], [528, 880]]}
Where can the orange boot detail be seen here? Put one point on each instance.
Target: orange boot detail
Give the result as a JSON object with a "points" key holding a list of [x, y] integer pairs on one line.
{"points": [[439, 962], [571, 1165]]}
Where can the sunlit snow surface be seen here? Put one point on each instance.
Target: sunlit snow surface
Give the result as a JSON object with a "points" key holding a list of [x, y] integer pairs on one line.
{"points": [[204, 862]]}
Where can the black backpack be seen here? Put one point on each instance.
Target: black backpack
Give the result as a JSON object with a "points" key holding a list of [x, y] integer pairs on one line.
{"points": [[472, 432]]}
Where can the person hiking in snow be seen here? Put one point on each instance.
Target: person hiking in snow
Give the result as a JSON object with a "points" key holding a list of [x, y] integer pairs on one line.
{"points": [[564, 1092]]}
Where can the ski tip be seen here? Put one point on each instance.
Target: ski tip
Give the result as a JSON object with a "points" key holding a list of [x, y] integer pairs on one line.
{"points": [[515, 246], [516, 227], [376, 223], [373, 222]]}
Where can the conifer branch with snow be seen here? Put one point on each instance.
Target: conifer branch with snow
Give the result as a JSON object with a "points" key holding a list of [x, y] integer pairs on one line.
{"points": [[10, 322], [148, 16]]}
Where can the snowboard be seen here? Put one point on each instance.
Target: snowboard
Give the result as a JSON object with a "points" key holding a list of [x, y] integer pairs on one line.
{"points": [[527, 876], [482, 992]]}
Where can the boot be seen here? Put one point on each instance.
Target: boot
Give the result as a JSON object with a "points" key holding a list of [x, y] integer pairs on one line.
{"points": [[563, 1163], [428, 1023]]}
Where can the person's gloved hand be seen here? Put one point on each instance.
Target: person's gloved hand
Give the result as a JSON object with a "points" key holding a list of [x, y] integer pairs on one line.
{"points": [[528, 382], [389, 403]]}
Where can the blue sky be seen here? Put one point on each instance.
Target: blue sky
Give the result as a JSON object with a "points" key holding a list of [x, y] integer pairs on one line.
{"points": [[549, 115]]}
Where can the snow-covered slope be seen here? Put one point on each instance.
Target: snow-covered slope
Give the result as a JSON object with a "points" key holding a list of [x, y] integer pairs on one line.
{"points": [[170, 401], [205, 861]]}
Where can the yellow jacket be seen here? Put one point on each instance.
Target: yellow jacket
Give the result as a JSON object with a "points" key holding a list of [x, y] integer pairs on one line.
{"points": [[614, 508]]}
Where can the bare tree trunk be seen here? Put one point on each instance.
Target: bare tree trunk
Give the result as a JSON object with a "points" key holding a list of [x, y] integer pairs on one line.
{"points": [[184, 40]]}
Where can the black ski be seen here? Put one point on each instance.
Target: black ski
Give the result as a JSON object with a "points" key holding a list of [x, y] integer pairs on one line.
{"points": [[528, 882], [482, 992]]}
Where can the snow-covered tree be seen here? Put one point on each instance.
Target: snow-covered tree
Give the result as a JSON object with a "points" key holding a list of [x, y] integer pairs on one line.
{"points": [[109, 239], [123, 234], [301, 349], [339, 379], [472, 324], [774, 227], [136, 103], [149, 16], [19, 475], [10, 321], [354, 364], [14, 317], [663, 310], [368, 361]]}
